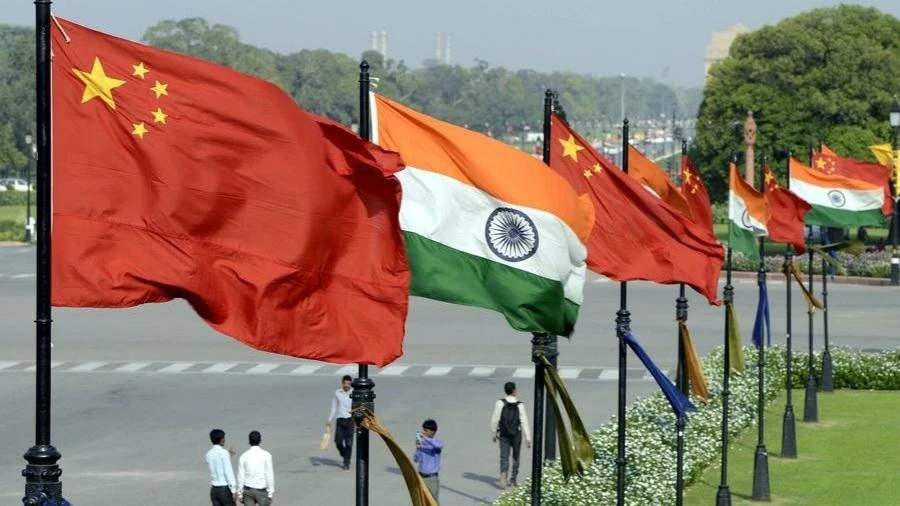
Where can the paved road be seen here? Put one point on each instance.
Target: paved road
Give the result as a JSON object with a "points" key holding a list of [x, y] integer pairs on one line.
{"points": [[136, 391]]}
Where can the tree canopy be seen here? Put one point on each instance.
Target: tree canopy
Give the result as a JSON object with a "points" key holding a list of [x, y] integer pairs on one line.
{"points": [[483, 97], [828, 75]]}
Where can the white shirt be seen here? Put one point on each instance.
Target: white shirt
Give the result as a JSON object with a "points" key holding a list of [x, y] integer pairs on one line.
{"points": [[255, 471], [340, 404], [523, 418], [219, 462]]}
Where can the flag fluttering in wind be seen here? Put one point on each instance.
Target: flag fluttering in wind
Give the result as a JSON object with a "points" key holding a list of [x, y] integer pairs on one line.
{"points": [[837, 201], [828, 162], [485, 224], [762, 325], [654, 178], [178, 178], [635, 236], [748, 214], [694, 192], [787, 211], [680, 404]]}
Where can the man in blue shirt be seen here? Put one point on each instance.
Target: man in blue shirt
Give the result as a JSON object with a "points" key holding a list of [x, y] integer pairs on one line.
{"points": [[224, 488], [428, 456]]}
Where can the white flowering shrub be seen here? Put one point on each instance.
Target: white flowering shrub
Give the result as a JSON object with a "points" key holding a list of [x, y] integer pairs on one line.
{"points": [[650, 441], [853, 369]]}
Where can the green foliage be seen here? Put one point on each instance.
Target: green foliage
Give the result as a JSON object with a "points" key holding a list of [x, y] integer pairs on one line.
{"points": [[720, 213], [17, 103], [853, 369], [825, 75], [15, 198]]}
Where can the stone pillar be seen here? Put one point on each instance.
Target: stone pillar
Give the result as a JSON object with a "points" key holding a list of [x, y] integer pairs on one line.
{"points": [[750, 141]]}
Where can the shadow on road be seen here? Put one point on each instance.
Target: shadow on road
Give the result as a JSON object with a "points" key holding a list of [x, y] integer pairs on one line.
{"points": [[478, 477], [484, 478], [320, 461]]}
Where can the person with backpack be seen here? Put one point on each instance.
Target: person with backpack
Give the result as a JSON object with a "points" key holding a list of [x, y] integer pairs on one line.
{"points": [[509, 424]]}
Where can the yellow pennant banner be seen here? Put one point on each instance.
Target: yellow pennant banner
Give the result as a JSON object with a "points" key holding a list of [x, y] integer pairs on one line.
{"points": [[576, 454], [735, 348], [692, 365], [811, 301]]}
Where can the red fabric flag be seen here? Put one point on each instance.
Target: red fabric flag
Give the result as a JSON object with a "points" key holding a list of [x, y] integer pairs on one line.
{"points": [[636, 236], [787, 211], [829, 162], [178, 178], [654, 178], [694, 192]]}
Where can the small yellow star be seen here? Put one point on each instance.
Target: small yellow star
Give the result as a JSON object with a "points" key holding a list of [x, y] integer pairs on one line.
{"points": [[139, 129], [694, 189], [571, 148], [597, 168], [587, 173], [160, 89], [770, 177], [159, 116], [820, 163], [97, 84], [140, 70]]}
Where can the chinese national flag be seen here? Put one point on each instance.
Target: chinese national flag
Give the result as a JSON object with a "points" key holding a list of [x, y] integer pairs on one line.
{"points": [[787, 211], [654, 178], [694, 192], [829, 162], [178, 178], [636, 236]]}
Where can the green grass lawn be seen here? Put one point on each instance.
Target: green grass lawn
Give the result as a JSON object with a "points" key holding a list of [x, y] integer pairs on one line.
{"points": [[850, 457], [14, 213], [875, 234]]}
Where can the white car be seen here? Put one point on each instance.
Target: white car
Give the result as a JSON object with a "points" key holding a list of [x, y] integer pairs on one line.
{"points": [[19, 185]]}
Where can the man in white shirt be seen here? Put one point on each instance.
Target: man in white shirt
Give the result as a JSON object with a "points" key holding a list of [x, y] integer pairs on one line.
{"points": [[256, 476], [508, 424], [224, 490], [340, 408]]}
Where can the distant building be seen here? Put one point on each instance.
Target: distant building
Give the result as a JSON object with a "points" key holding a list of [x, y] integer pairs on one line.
{"points": [[717, 49], [379, 43], [441, 50]]}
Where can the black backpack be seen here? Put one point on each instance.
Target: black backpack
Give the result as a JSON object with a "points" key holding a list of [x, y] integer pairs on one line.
{"points": [[509, 425]]}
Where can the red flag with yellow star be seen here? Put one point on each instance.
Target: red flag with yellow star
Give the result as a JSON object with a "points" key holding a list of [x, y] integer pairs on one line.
{"points": [[636, 236], [694, 192], [178, 178], [787, 211], [654, 178], [829, 162]]}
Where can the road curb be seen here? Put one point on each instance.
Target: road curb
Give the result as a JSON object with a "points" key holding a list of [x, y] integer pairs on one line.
{"points": [[838, 280], [12, 244]]}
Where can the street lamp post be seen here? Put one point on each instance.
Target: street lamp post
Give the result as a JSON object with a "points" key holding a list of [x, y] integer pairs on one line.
{"points": [[32, 156], [895, 259]]}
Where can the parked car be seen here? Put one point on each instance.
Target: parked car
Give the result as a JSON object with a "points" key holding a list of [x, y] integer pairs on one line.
{"points": [[19, 185]]}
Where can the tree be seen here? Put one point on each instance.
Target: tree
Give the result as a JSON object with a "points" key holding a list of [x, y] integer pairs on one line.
{"points": [[17, 104], [825, 75]]}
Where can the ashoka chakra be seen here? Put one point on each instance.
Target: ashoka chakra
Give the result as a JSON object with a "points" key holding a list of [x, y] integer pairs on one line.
{"points": [[837, 198], [511, 235], [745, 219]]}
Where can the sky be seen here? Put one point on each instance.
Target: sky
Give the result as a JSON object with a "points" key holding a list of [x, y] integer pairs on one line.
{"points": [[663, 39]]}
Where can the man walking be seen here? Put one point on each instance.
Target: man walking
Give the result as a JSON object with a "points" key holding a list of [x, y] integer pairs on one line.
{"points": [[340, 408], [428, 457], [256, 477], [508, 424], [224, 489]]}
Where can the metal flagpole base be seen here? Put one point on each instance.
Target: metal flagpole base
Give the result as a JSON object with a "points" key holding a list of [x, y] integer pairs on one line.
{"points": [[810, 407], [761, 474], [42, 474], [827, 373], [723, 496], [788, 434]]}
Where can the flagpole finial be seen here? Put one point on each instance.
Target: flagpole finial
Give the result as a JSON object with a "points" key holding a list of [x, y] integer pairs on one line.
{"points": [[364, 66]]}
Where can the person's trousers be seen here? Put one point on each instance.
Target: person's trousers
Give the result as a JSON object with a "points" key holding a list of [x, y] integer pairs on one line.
{"points": [[221, 496], [434, 485], [255, 497], [506, 444], [343, 438]]}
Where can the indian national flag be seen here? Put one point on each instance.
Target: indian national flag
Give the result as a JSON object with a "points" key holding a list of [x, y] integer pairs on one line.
{"points": [[748, 214], [837, 201], [485, 224]]}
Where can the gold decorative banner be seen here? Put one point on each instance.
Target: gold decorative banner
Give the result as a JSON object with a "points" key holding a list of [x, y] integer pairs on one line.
{"points": [[581, 453], [692, 366], [735, 349]]}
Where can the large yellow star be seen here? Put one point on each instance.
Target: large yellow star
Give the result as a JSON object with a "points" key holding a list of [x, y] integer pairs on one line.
{"points": [[686, 176], [160, 89], [820, 163], [159, 116], [98, 84], [139, 129], [571, 148], [140, 70]]}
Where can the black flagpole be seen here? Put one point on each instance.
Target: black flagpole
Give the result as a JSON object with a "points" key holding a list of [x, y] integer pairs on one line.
{"points": [[539, 343], [723, 495], [761, 457], [42, 473], [827, 373], [788, 425], [623, 324], [681, 315], [810, 406], [363, 395]]}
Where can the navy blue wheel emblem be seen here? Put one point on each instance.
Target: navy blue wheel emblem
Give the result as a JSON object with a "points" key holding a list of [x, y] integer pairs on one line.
{"points": [[837, 198], [745, 219], [511, 234]]}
